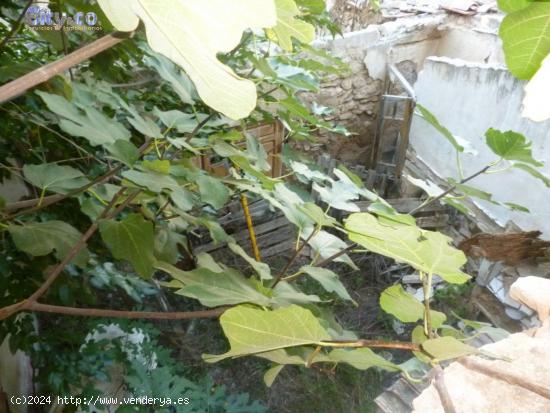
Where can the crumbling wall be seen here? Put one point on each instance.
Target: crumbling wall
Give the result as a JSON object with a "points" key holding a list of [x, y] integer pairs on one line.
{"points": [[469, 98], [354, 96], [405, 42]]}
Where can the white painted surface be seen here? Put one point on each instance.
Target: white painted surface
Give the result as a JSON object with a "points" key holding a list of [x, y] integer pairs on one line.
{"points": [[468, 99]]}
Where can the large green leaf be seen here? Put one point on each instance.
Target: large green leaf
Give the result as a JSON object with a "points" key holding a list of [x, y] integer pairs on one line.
{"points": [[157, 182], [251, 330], [427, 251], [94, 126], [342, 192], [192, 34], [525, 37], [362, 359], [42, 238], [509, 6], [178, 80], [214, 289], [212, 191], [326, 245], [285, 294], [271, 374], [167, 244], [153, 181], [445, 348], [131, 239], [317, 215], [288, 26], [328, 279], [124, 151], [511, 145], [53, 177], [299, 356], [405, 307], [262, 269]]}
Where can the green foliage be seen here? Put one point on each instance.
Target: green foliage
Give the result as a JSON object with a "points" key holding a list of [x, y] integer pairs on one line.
{"points": [[328, 279], [362, 359], [214, 289], [43, 238], [288, 26], [131, 239], [54, 178], [426, 251], [405, 307], [76, 123], [511, 146], [533, 172], [252, 331], [445, 348], [525, 35], [89, 130], [194, 42]]}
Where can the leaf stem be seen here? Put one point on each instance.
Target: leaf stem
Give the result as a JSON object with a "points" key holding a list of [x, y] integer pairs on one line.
{"points": [[399, 345], [293, 258], [427, 287]]}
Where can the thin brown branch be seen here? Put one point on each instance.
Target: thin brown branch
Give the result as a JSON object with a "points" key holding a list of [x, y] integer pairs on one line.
{"points": [[397, 345], [52, 276], [150, 315], [503, 375], [36, 205], [336, 255], [16, 26], [44, 73], [448, 191], [75, 249], [292, 259], [193, 133], [444, 396]]}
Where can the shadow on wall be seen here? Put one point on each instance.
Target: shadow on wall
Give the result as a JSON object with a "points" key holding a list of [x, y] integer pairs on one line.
{"points": [[469, 98]]}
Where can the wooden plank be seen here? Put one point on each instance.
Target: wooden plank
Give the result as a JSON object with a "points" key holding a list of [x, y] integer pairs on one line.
{"points": [[279, 224], [433, 221], [405, 205], [278, 249]]}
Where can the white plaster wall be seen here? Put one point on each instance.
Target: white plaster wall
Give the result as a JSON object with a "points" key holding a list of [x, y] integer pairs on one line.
{"points": [[468, 99]]}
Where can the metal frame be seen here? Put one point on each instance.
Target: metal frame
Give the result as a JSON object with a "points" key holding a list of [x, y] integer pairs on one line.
{"points": [[394, 76]]}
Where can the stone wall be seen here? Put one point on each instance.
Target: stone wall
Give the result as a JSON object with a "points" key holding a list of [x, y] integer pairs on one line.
{"points": [[355, 95], [407, 43]]}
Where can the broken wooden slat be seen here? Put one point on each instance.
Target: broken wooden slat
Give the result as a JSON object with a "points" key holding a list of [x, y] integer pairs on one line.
{"points": [[405, 205]]}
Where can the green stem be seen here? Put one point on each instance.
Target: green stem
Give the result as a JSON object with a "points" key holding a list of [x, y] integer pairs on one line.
{"points": [[427, 286], [96, 196], [459, 165], [42, 195], [292, 276]]}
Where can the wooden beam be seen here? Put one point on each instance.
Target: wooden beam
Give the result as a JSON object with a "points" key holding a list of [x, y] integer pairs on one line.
{"points": [[42, 74]]}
